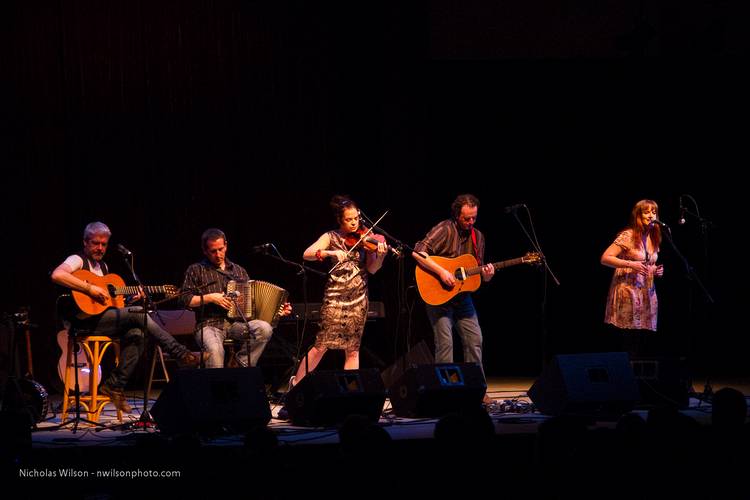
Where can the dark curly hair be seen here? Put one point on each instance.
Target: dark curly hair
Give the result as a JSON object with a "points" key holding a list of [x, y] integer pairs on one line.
{"points": [[339, 203], [460, 201]]}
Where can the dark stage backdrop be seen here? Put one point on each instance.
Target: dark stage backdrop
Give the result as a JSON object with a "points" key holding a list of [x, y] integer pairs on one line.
{"points": [[165, 118]]}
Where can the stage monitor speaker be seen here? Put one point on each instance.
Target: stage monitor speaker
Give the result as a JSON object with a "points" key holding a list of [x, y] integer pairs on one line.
{"points": [[420, 354], [438, 389], [327, 397], [663, 381], [205, 401], [593, 384]]}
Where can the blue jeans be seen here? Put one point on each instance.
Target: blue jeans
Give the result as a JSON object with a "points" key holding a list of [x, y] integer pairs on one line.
{"points": [[127, 324], [458, 312], [213, 342]]}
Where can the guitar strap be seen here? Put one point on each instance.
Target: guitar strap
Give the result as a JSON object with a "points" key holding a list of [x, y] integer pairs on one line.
{"points": [[474, 244]]}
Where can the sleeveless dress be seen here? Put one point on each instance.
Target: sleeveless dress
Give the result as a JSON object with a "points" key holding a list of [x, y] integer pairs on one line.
{"points": [[345, 304], [632, 302]]}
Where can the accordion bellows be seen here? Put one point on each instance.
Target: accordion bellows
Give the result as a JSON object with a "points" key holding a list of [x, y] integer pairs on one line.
{"points": [[257, 300]]}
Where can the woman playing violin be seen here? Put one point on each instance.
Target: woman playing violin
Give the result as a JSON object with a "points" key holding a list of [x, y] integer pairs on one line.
{"points": [[345, 304]]}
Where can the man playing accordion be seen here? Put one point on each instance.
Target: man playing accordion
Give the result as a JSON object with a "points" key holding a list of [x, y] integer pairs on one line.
{"points": [[209, 281]]}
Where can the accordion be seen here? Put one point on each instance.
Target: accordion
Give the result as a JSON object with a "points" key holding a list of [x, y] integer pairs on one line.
{"points": [[256, 300]]}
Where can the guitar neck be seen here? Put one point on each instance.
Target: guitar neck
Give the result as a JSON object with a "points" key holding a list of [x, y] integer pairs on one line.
{"points": [[497, 265], [133, 290]]}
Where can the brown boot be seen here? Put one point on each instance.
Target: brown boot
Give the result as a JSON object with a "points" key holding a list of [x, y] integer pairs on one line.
{"points": [[117, 396], [190, 360]]}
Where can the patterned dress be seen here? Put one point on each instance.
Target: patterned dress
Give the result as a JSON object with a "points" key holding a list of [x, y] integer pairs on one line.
{"points": [[632, 302], [345, 304]]}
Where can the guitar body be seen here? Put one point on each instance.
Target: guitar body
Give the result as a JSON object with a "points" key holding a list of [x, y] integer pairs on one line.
{"points": [[90, 307], [432, 289], [467, 272], [115, 286], [81, 363]]}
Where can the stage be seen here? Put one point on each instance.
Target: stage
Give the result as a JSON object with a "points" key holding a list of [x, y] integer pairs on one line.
{"points": [[282, 460]]}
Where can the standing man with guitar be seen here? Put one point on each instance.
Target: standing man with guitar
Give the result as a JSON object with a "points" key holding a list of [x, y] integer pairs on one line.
{"points": [[451, 238], [78, 273]]}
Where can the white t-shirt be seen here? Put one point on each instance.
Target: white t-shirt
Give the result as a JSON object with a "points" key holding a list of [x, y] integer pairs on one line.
{"points": [[75, 263]]}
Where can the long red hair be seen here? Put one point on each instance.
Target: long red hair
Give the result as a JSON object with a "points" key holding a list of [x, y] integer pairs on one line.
{"points": [[636, 222]]}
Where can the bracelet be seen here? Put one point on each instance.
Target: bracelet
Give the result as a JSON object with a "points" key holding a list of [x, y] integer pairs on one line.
{"points": [[319, 255]]}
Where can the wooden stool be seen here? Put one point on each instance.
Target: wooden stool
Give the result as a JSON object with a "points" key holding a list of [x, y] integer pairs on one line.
{"points": [[160, 354], [94, 347], [178, 322], [231, 348]]}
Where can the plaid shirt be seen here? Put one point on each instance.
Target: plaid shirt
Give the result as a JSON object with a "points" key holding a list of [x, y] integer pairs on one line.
{"points": [[202, 273], [447, 240]]}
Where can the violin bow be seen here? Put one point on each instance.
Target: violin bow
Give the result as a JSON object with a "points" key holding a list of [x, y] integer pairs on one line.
{"points": [[361, 238]]}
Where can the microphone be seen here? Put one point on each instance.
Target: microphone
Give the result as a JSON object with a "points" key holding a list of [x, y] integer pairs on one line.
{"points": [[513, 208], [657, 221], [233, 293], [681, 220], [123, 250], [261, 248]]}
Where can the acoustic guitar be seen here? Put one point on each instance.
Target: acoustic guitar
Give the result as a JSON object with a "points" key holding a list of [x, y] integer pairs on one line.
{"points": [[80, 359], [467, 272], [115, 285]]}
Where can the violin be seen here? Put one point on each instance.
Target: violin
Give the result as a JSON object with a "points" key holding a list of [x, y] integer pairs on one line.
{"points": [[368, 243]]}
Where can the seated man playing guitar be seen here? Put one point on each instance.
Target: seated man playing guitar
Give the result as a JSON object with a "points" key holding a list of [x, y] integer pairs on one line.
{"points": [[113, 320], [452, 238]]}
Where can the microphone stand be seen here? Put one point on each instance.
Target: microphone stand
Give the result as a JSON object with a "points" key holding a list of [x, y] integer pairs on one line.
{"points": [[402, 301], [703, 222], [691, 275], [192, 291], [538, 248], [250, 335], [145, 419], [303, 269], [399, 244], [689, 270], [534, 241]]}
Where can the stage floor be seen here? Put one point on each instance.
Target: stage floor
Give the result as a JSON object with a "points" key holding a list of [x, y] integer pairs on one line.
{"points": [[512, 413], [285, 461]]}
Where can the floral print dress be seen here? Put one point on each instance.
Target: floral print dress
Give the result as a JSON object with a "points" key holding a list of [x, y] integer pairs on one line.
{"points": [[345, 304], [632, 302]]}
